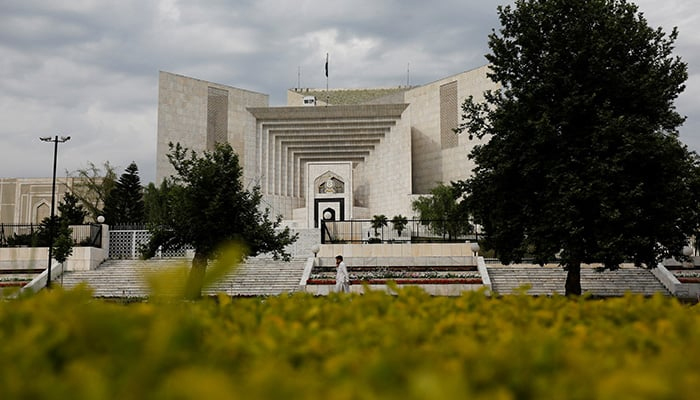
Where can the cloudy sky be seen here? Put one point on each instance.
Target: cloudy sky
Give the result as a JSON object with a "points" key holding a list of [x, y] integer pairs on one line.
{"points": [[89, 68]]}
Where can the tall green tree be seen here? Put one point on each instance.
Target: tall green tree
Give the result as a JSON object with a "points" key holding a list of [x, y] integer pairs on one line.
{"points": [[124, 204], [583, 154], [70, 210], [443, 211], [155, 199], [207, 207]]}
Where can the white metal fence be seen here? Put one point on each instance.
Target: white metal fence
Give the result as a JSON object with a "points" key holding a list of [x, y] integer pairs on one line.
{"points": [[128, 244]]}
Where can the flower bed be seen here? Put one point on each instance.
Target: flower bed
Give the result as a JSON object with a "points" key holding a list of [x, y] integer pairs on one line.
{"points": [[402, 268], [405, 281], [687, 275], [400, 274], [13, 283], [680, 267]]}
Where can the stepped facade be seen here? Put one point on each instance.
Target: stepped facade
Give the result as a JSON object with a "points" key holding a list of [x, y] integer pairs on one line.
{"points": [[334, 155]]}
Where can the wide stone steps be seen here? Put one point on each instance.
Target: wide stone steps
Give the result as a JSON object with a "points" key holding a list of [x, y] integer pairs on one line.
{"points": [[264, 276], [551, 280], [128, 278]]}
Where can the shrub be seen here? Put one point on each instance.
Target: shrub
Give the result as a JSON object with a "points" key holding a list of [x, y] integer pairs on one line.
{"points": [[410, 346]]}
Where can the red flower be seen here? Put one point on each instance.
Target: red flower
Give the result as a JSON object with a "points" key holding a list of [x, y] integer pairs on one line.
{"points": [[403, 281], [687, 279]]}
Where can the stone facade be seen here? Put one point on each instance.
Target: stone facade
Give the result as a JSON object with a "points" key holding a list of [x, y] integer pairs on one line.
{"points": [[434, 158], [385, 146], [190, 112], [28, 200]]}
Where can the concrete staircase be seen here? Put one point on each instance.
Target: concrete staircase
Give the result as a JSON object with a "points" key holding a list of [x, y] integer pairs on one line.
{"points": [[550, 280], [258, 276], [261, 277], [127, 278]]}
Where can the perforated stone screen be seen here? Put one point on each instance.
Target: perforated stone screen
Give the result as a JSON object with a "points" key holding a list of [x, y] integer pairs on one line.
{"points": [[448, 115], [128, 243], [217, 117]]}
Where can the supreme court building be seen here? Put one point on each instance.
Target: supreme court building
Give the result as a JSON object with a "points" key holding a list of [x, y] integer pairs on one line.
{"points": [[342, 154]]}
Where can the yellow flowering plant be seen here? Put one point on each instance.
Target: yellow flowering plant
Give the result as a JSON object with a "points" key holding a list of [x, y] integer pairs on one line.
{"points": [[65, 344]]}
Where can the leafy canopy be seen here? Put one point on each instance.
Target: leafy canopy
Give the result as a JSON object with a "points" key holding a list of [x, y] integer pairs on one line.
{"points": [[443, 211], [71, 211], [156, 199], [205, 205], [583, 153], [55, 228]]}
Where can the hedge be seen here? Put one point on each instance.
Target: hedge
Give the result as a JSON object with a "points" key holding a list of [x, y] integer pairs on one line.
{"points": [[65, 344]]}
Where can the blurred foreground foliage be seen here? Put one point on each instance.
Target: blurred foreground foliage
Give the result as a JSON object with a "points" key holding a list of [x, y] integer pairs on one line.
{"points": [[65, 344]]}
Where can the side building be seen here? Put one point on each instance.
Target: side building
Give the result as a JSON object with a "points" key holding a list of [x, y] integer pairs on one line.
{"points": [[28, 200], [338, 154]]}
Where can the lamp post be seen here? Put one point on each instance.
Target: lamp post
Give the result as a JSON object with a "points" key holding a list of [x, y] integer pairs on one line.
{"points": [[687, 251], [52, 229], [474, 247]]}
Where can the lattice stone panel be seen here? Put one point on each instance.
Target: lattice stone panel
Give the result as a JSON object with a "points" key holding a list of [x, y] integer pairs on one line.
{"points": [[448, 115], [174, 253], [127, 244], [217, 117]]}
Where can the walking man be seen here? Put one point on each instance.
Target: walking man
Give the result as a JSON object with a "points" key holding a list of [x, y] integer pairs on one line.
{"points": [[342, 279]]}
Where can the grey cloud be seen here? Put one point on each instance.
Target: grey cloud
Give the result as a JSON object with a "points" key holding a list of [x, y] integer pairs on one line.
{"points": [[90, 69]]}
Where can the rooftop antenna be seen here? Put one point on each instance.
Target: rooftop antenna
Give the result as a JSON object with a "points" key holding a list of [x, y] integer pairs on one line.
{"points": [[408, 75], [298, 77]]}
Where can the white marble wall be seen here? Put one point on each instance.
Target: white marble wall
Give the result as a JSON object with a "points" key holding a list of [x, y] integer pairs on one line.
{"points": [[431, 163], [386, 175], [182, 117]]}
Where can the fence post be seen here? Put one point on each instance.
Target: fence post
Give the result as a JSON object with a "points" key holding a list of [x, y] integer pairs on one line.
{"points": [[133, 244]]}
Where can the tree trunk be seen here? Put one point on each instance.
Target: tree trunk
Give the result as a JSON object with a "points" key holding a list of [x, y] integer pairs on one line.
{"points": [[195, 281], [573, 279]]}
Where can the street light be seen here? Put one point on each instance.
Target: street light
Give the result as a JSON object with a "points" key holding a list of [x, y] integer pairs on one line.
{"points": [[55, 141], [474, 248]]}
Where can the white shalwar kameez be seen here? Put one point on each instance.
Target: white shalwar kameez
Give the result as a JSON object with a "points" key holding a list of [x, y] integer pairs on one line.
{"points": [[342, 279]]}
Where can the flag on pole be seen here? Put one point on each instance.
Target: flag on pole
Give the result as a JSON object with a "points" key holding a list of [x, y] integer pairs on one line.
{"points": [[326, 65]]}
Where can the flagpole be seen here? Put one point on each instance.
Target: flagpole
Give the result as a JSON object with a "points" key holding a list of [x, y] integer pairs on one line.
{"points": [[327, 95]]}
